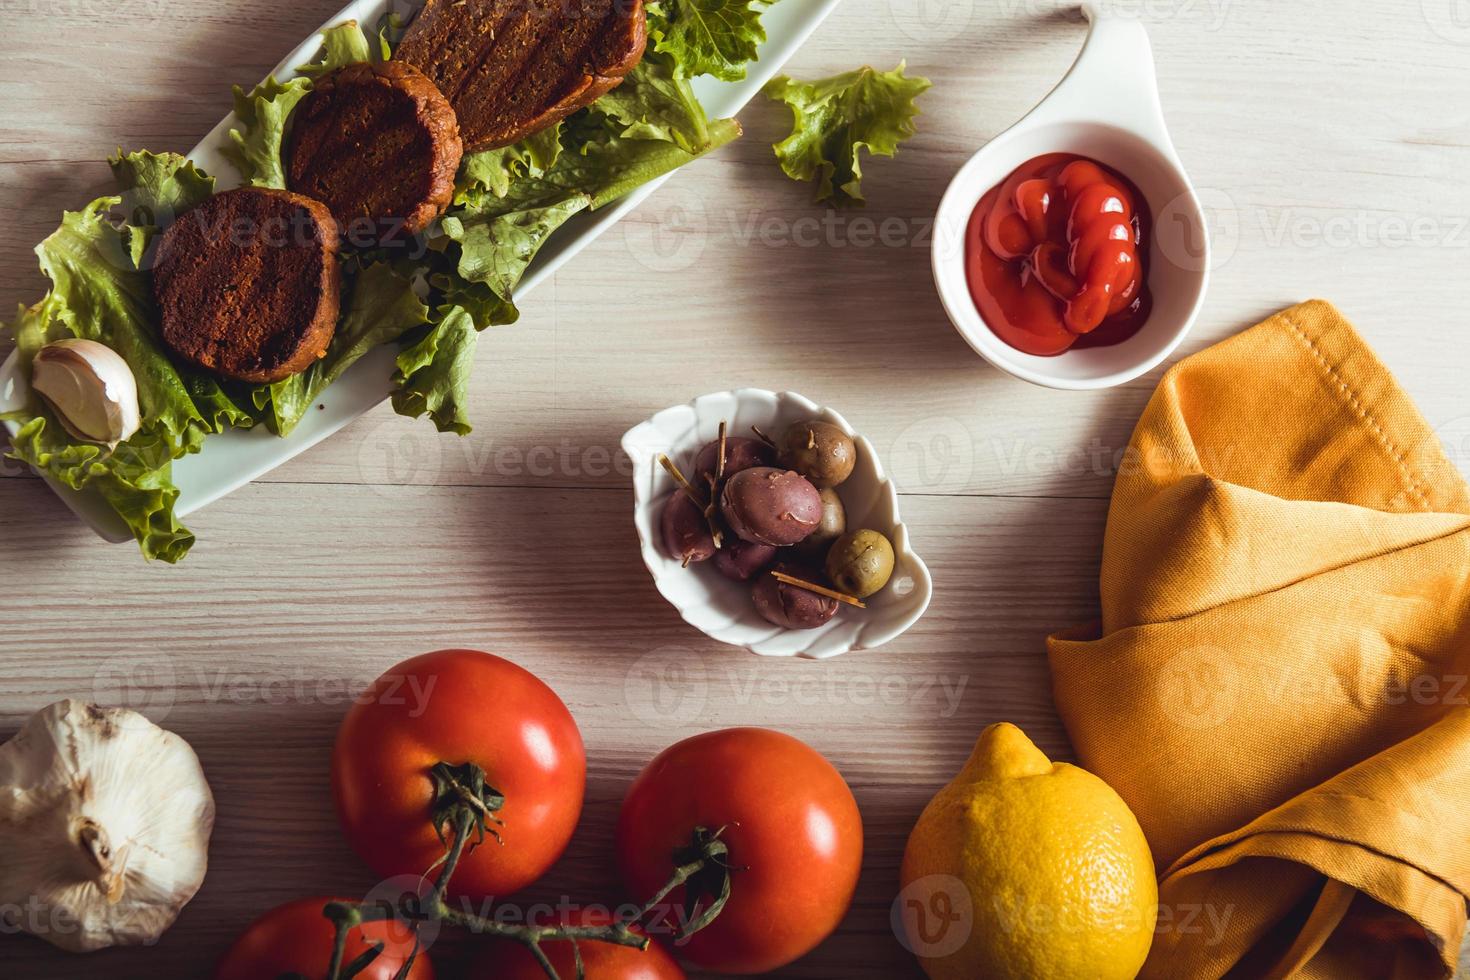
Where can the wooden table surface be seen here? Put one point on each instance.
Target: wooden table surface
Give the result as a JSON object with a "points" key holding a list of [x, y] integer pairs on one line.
{"points": [[1329, 141]]}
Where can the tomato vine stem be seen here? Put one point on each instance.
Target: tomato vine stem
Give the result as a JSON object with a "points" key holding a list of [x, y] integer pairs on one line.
{"points": [[464, 813]]}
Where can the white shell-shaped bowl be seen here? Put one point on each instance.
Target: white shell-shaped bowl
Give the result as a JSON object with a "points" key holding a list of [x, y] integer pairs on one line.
{"points": [[721, 608]]}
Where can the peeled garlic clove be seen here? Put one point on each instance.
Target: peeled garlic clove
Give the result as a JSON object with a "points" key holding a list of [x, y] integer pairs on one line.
{"points": [[89, 387], [105, 821]]}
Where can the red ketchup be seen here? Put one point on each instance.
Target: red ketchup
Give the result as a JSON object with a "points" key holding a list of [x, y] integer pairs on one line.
{"points": [[1056, 256]]}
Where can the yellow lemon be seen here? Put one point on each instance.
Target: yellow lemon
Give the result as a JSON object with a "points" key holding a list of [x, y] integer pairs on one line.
{"points": [[1024, 868]]}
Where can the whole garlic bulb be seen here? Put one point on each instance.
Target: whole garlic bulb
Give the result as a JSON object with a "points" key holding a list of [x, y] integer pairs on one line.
{"points": [[104, 827], [90, 387]]}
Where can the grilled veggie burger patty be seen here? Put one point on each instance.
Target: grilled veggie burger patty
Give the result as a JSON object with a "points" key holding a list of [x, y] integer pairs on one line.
{"points": [[247, 284], [512, 69], [379, 144]]}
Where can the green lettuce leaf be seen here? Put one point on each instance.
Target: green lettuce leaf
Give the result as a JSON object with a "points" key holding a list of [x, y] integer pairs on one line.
{"points": [[488, 250], [391, 28], [344, 44], [608, 169], [255, 148], [837, 117], [510, 202], [433, 374], [492, 171], [155, 188], [381, 307], [498, 241], [655, 103], [99, 293], [135, 479], [708, 37], [498, 237]]}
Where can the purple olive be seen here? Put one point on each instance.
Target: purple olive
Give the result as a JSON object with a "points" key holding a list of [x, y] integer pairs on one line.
{"points": [[740, 454], [685, 530], [765, 505], [741, 560], [791, 606]]}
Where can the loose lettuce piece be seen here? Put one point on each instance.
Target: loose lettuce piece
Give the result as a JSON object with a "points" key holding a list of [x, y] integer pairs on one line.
{"points": [[837, 117], [708, 37], [433, 374], [255, 149], [381, 307]]}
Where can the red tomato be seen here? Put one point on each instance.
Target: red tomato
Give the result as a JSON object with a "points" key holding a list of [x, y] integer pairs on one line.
{"points": [[792, 827], [459, 706], [297, 938], [506, 959]]}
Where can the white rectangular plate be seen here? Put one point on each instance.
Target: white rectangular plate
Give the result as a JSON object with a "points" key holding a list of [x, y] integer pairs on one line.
{"points": [[232, 459]]}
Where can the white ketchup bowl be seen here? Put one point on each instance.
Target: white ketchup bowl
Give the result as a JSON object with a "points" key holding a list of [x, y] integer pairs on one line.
{"points": [[1106, 108]]}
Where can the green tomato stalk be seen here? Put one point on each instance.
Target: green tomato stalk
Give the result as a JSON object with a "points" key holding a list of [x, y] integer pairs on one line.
{"points": [[464, 814]]}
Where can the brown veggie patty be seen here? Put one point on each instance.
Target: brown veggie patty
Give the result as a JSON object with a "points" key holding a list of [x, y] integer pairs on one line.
{"points": [[247, 284], [511, 68], [379, 144]]}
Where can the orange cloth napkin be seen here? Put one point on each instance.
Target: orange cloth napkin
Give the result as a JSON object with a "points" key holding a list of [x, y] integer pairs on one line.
{"points": [[1278, 686]]}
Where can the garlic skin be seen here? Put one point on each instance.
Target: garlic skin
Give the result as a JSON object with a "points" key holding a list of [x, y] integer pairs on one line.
{"points": [[104, 827], [90, 387]]}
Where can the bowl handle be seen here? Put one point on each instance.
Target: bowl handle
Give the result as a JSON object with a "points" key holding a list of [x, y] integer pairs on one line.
{"points": [[1112, 80]]}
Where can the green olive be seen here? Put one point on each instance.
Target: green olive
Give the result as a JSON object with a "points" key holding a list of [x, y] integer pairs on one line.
{"points": [[829, 528], [819, 451], [860, 563]]}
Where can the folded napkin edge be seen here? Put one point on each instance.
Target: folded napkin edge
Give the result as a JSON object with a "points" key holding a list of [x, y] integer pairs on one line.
{"points": [[1352, 370], [1288, 846]]}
